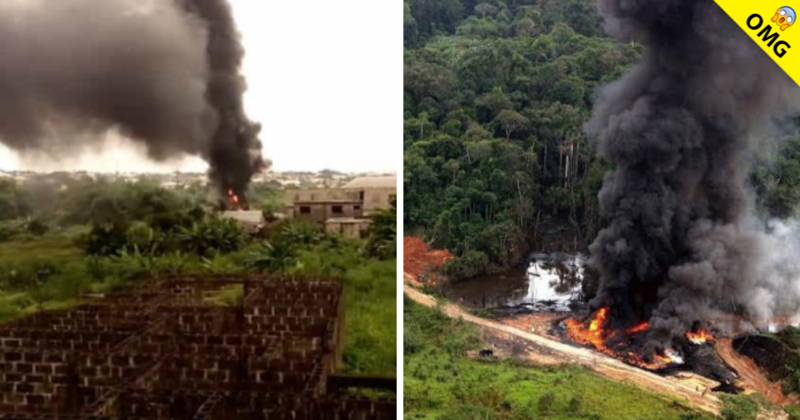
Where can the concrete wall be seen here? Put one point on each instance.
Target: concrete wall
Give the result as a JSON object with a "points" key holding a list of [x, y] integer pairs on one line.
{"points": [[376, 198], [320, 212], [348, 229]]}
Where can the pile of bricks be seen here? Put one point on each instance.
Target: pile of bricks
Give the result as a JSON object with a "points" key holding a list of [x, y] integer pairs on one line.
{"points": [[159, 351]]}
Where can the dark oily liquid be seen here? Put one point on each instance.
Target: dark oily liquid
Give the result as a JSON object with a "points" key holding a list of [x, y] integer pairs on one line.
{"points": [[550, 282]]}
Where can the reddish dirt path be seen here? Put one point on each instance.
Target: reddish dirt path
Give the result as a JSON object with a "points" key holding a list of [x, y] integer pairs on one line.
{"points": [[750, 374], [690, 388]]}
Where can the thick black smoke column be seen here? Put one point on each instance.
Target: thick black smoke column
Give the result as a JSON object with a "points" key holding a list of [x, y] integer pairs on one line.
{"points": [[681, 128], [163, 73], [235, 151]]}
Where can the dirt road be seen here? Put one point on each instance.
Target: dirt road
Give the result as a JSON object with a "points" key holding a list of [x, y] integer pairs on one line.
{"points": [[692, 388], [751, 374]]}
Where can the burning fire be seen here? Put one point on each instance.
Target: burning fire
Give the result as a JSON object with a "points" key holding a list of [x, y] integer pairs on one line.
{"points": [[597, 334], [234, 202], [702, 336], [644, 326]]}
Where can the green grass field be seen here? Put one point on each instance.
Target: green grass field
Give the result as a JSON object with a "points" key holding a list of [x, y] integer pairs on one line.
{"points": [[440, 382]]}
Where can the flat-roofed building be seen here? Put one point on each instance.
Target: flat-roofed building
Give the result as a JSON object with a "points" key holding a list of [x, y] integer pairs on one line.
{"points": [[348, 227], [376, 192], [320, 211]]}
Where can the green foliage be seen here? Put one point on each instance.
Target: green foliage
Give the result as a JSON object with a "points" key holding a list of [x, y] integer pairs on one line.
{"points": [[739, 407], [105, 239], [37, 227], [494, 115], [370, 338], [546, 402], [441, 382], [471, 264], [382, 242], [468, 412], [497, 95], [12, 203], [776, 180], [138, 231], [793, 411], [278, 253], [211, 235], [227, 296]]}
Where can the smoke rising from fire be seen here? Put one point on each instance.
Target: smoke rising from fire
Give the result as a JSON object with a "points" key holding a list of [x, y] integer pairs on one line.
{"points": [[162, 73], [681, 128]]}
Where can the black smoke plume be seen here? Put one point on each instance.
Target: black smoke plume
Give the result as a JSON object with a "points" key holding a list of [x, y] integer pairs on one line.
{"points": [[162, 73], [681, 128]]}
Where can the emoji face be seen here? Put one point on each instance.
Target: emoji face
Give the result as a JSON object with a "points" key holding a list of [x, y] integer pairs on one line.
{"points": [[785, 17]]}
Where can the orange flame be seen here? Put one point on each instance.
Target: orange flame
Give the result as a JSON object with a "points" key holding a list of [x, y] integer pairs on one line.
{"points": [[233, 199], [594, 335], [700, 337], [644, 326], [597, 332]]}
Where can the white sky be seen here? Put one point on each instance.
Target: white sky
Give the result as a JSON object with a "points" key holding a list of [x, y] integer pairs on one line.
{"points": [[323, 83]]}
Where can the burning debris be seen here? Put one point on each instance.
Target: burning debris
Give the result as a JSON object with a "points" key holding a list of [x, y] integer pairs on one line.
{"points": [[234, 202], [681, 129], [164, 74], [615, 343], [630, 345], [700, 337]]}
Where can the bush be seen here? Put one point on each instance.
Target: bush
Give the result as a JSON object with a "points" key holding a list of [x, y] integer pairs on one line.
{"points": [[280, 251], [37, 228], [468, 412], [105, 239], [382, 241], [142, 237], [546, 402], [473, 263], [272, 257], [575, 404], [212, 235], [793, 411], [739, 407], [8, 230]]}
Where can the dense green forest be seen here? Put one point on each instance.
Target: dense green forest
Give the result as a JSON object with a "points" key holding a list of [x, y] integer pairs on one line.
{"points": [[496, 159]]}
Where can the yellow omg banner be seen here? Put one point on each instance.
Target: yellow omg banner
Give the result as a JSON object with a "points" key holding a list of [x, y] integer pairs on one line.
{"points": [[772, 25]]}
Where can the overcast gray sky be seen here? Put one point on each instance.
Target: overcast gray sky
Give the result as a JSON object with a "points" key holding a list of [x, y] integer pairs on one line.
{"points": [[317, 74]]}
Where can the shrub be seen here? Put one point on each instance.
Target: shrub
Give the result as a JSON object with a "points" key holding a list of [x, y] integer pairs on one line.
{"points": [[739, 407], [212, 235], [105, 239], [97, 267], [546, 402], [575, 404], [143, 237], [468, 412], [472, 264], [793, 411], [133, 265], [272, 257], [382, 241], [37, 227]]}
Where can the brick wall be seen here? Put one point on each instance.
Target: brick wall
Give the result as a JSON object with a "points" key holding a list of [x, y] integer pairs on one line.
{"points": [[157, 351]]}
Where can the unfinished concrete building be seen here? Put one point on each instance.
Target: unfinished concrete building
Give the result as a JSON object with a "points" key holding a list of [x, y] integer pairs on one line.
{"points": [[160, 351]]}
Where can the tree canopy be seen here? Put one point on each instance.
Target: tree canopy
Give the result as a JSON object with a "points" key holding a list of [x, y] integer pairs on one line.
{"points": [[496, 159]]}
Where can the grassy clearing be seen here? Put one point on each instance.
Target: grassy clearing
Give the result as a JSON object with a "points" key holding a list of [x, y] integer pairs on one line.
{"points": [[371, 319], [441, 383]]}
